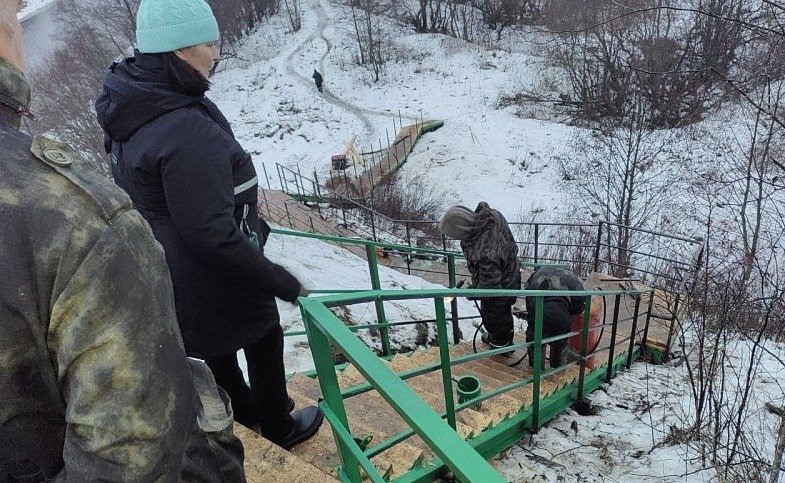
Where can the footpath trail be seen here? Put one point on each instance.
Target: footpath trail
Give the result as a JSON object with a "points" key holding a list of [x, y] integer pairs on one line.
{"points": [[294, 69]]}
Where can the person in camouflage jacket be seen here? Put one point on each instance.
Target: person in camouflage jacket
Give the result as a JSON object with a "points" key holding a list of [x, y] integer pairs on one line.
{"points": [[492, 259], [557, 310], [94, 379]]}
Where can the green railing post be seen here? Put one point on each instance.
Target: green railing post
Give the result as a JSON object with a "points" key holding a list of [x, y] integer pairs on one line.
{"points": [[444, 357], [381, 318], [634, 329], [331, 391], [538, 307], [456, 328], [584, 346], [614, 328], [646, 326], [449, 447], [672, 325]]}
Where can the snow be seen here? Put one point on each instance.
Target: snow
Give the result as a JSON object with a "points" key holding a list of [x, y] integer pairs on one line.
{"points": [[281, 118], [482, 153], [31, 8]]}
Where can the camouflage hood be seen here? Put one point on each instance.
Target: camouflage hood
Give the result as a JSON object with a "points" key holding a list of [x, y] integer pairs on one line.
{"points": [[136, 91]]}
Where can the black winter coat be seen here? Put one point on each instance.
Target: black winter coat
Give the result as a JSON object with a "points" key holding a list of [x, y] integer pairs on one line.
{"points": [[177, 158]]}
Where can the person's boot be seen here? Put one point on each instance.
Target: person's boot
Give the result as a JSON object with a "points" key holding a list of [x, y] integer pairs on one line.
{"points": [[290, 404], [494, 342], [530, 357], [306, 424]]}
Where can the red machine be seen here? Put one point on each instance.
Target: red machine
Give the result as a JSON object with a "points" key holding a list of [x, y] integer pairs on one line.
{"points": [[594, 330]]}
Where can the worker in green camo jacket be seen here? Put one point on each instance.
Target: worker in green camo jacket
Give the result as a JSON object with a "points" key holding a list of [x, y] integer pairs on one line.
{"points": [[492, 259], [94, 379]]}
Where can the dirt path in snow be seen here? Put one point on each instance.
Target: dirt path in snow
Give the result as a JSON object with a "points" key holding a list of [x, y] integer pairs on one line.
{"points": [[359, 112]]}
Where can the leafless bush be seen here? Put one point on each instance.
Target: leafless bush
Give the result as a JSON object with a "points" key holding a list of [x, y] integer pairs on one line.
{"points": [[618, 53], [96, 33], [722, 370], [408, 200], [67, 85], [294, 14]]}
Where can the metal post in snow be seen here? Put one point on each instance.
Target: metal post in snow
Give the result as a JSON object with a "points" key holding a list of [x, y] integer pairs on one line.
{"points": [[386, 155], [538, 359], [597, 248], [288, 216], [584, 347], [266, 177], [536, 242], [634, 329]]}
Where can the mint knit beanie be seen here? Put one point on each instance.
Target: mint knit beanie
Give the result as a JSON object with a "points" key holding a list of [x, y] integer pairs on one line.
{"points": [[169, 25]]}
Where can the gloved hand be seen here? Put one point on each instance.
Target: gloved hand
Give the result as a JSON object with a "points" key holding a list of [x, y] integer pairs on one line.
{"points": [[304, 292], [472, 285]]}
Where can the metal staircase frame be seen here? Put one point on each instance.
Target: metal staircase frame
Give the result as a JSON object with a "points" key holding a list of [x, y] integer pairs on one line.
{"points": [[465, 459]]}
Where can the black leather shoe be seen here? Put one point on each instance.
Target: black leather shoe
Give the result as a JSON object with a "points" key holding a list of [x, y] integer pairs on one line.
{"points": [[306, 424], [290, 405]]}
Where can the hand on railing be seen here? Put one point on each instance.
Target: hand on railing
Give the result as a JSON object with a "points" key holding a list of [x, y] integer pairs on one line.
{"points": [[304, 292]]}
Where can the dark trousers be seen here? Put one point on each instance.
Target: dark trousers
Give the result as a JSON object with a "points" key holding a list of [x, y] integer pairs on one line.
{"points": [[555, 321], [265, 403], [497, 318]]}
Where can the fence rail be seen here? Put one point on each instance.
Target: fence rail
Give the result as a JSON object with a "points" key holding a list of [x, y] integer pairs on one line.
{"points": [[661, 260]]}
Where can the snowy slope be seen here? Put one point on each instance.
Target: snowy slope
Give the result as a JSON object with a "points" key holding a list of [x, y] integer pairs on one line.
{"points": [[481, 153]]}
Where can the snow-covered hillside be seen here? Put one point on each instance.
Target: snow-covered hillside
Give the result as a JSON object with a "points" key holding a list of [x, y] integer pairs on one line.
{"points": [[482, 153], [505, 156], [279, 116]]}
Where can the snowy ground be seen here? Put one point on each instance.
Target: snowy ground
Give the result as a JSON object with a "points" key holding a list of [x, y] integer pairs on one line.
{"points": [[481, 153]]}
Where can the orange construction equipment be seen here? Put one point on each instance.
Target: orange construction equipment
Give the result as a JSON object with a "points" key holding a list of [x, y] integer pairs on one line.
{"points": [[594, 330]]}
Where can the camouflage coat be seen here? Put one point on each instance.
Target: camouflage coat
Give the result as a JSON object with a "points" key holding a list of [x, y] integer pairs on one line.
{"points": [[555, 278], [93, 375], [491, 252]]}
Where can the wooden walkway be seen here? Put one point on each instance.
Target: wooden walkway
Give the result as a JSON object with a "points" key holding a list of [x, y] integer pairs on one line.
{"points": [[345, 183]]}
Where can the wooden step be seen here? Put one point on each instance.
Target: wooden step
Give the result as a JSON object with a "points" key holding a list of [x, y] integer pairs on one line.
{"points": [[321, 451], [265, 462]]}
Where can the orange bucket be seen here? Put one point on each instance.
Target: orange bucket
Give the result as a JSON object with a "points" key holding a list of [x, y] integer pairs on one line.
{"points": [[594, 330]]}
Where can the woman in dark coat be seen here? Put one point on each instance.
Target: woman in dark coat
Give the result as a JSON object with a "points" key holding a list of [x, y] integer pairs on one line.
{"points": [[174, 152]]}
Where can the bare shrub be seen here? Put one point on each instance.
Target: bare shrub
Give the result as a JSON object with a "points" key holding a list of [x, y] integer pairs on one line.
{"points": [[616, 53], [408, 200], [294, 14], [95, 33], [67, 85]]}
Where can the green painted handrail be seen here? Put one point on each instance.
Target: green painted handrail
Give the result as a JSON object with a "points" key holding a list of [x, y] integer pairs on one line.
{"points": [[461, 457]]}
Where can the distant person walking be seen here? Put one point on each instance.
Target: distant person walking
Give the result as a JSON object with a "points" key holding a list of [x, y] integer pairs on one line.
{"points": [[317, 78]]}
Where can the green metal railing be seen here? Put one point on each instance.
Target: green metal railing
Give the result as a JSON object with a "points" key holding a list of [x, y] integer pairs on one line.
{"points": [[466, 459]]}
